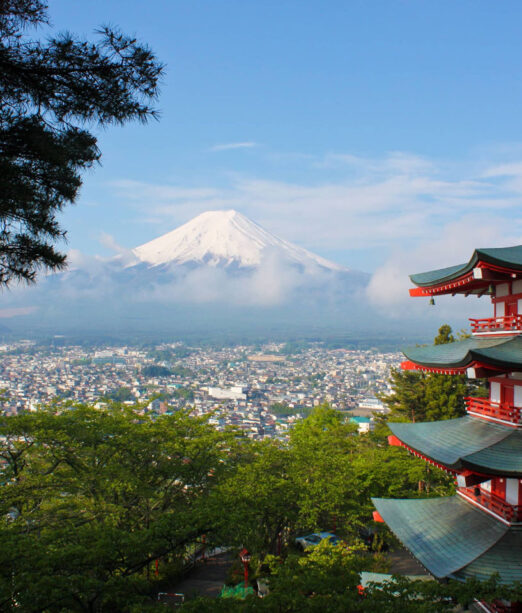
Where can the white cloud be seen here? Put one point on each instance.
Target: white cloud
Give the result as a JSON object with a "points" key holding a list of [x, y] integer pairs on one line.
{"points": [[454, 244], [126, 256], [229, 146], [272, 283], [396, 161], [504, 170], [16, 311]]}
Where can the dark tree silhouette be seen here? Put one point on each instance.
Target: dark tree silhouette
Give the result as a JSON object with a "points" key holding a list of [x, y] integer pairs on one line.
{"points": [[49, 93]]}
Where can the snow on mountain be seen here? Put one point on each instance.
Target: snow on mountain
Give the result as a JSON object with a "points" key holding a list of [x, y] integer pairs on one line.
{"points": [[226, 238]]}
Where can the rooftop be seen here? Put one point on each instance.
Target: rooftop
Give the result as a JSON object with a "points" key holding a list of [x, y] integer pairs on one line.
{"points": [[501, 354], [452, 538], [485, 265], [466, 443]]}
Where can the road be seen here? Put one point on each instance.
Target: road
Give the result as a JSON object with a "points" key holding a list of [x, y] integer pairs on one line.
{"points": [[206, 579]]}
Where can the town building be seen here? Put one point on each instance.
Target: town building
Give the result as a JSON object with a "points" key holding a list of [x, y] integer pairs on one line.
{"points": [[477, 532], [235, 392]]}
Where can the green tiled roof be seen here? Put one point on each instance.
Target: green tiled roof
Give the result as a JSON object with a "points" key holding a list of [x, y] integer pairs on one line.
{"points": [[505, 353], [505, 557], [507, 257], [447, 535], [467, 442], [434, 277], [502, 458]]}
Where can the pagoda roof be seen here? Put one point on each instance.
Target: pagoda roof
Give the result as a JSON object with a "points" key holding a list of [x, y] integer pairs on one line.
{"points": [[452, 538], [504, 554], [498, 353], [500, 262], [466, 443]]}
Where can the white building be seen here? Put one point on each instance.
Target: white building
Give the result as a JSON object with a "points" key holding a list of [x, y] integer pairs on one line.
{"points": [[236, 392]]}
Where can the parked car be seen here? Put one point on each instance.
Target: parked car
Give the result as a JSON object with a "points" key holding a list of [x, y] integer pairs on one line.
{"points": [[310, 540]]}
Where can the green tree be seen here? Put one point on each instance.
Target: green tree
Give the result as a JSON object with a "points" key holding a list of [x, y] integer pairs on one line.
{"points": [[121, 394], [283, 409], [258, 500], [322, 479], [419, 396], [184, 393], [322, 448], [92, 497], [49, 92], [153, 370], [336, 472], [444, 336]]}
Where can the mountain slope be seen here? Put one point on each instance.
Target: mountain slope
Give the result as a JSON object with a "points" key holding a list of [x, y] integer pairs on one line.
{"points": [[224, 239], [219, 273]]}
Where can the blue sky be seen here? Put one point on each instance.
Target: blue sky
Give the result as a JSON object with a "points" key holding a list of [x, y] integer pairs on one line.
{"points": [[386, 135]]}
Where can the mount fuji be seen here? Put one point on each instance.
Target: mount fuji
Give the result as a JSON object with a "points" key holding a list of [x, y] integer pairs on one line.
{"points": [[219, 271], [226, 239]]}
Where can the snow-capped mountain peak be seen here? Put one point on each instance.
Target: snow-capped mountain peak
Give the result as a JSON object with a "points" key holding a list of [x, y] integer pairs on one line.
{"points": [[224, 238]]}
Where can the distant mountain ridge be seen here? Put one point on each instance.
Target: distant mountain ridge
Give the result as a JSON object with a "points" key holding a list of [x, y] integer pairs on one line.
{"points": [[226, 239]]}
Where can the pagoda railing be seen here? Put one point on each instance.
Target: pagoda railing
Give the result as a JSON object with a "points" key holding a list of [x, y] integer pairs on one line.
{"points": [[496, 324], [495, 410], [492, 502]]}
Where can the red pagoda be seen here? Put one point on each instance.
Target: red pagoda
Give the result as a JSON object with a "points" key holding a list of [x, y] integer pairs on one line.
{"points": [[477, 532]]}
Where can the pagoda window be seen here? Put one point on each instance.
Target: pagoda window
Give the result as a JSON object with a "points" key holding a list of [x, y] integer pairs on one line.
{"points": [[513, 491], [517, 400], [511, 305], [502, 290], [494, 391]]}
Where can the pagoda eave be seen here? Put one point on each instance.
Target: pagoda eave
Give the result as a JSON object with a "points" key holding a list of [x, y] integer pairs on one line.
{"points": [[471, 473], [396, 442], [465, 284], [470, 283], [479, 369], [486, 266], [484, 448], [446, 535], [480, 356]]}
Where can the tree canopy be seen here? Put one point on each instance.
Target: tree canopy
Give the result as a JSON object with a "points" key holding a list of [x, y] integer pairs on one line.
{"points": [[92, 497], [322, 479], [154, 370], [49, 92]]}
